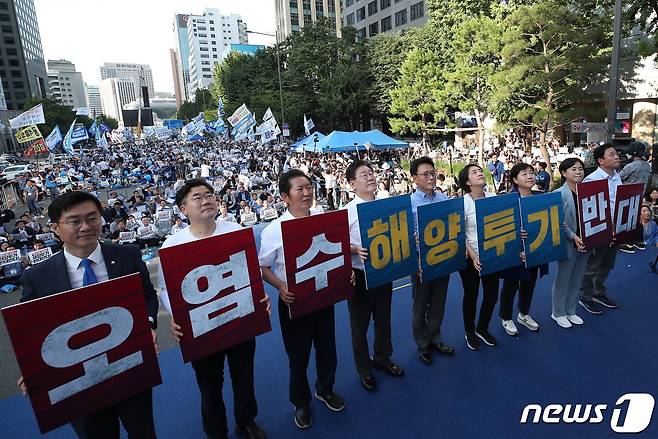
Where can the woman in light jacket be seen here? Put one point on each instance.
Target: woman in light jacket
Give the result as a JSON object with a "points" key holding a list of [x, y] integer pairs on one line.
{"points": [[570, 271]]}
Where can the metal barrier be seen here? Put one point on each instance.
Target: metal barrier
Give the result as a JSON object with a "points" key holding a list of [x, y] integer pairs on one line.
{"points": [[9, 198]]}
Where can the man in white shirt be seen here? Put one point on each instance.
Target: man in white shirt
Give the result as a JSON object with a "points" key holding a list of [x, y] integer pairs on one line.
{"points": [[301, 333], [197, 200], [602, 259], [375, 302]]}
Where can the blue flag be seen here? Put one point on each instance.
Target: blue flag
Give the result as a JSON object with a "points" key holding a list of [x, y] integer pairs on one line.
{"points": [[79, 134], [541, 218], [93, 128], [53, 139], [442, 238], [67, 144], [220, 108], [104, 128], [499, 237], [387, 232]]}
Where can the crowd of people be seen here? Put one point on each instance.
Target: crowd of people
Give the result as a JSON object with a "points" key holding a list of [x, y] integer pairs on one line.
{"points": [[187, 193]]}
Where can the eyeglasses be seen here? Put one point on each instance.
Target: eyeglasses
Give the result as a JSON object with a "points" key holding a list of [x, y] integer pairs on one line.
{"points": [[198, 199], [427, 175], [365, 175], [76, 223]]}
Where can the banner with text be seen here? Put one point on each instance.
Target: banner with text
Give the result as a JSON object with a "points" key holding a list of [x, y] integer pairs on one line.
{"points": [[499, 237], [628, 203], [318, 261], [216, 292], [594, 213], [83, 350], [542, 217], [442, 238], [387, 232]]}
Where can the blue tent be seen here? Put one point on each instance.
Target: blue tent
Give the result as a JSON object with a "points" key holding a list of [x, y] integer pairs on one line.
{"points": [[306, 143], [341, 141]]}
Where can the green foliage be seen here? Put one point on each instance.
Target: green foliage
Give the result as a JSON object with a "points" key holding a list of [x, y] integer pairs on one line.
{"points": [[323, 76], [111, 122], [414, 101], [203, 100]]}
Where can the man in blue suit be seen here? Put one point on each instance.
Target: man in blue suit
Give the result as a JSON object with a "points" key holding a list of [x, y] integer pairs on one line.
{"points": [[76, 218]]}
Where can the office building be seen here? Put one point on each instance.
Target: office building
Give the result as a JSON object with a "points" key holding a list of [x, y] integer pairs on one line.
{"points": [[65, 84], [208, 35], [177, 73], [182, 54], [292, 15], [127, 72], [22, 66], [94, 100], [373, 17]]}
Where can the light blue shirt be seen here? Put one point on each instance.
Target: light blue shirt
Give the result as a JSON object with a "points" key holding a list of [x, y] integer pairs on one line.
{"points": [[420, 198]]}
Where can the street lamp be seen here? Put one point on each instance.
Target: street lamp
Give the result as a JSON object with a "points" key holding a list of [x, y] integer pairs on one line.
{"points": [[278, 65], [614, 72]]}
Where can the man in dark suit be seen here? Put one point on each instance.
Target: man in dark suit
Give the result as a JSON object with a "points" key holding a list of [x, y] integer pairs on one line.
{"points": [[76, 218]]}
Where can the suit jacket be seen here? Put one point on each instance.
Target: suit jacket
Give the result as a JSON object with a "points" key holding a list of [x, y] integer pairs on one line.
{"points": [[570, 217], [52, 277]]}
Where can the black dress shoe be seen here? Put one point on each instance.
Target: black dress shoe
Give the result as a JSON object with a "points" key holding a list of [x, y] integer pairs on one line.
{"points": [[424, 356], [251, 430], [369, 383], [443, 349], [303, 417], [391, 368]]}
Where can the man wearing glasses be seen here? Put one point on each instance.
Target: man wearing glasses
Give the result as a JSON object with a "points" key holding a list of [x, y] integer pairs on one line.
{"points": [[429, 297], [76, 218]]}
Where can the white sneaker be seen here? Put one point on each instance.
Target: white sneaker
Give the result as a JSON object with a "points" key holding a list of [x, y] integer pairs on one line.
{"points": [[527, 321], [563, 321], [575, 320], [510, 327]]}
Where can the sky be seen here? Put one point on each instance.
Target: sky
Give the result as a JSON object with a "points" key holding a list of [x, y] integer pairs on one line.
{"points": [[92, 32]]}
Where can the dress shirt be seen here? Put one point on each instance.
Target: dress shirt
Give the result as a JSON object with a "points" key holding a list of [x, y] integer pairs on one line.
{"points": [[181, 237], [355, 230], [76, 270], [614, 180], [420, 198]]}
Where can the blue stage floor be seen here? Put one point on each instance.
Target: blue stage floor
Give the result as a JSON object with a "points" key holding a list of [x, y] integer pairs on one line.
{"points": [[471, 395]]}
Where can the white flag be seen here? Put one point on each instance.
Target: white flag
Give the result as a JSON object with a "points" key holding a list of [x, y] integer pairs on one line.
{"points": [[308, 125], [268, 115], [82, 111], [32, 116]]}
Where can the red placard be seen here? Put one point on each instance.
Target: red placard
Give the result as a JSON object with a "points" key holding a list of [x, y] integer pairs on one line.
{"points": [[216, 292], [628, 203], [318, 262], [83, 350], [594, 213]]}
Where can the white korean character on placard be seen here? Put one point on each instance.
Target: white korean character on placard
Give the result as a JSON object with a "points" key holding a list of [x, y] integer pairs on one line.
{"points": [[319, 244], [632, 204], [232, 273], [56, 351], [593, 209]]}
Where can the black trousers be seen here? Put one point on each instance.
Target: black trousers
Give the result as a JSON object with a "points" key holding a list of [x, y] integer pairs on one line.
{"points": [[136, 415], [317, 329], [210, 379], [471, 281], [363, 305], [508, 292]]}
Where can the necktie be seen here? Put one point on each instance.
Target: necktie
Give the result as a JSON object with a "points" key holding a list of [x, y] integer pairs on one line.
{"points": [[88, 277]]}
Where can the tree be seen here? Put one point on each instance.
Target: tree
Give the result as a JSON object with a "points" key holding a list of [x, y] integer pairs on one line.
{"points": [[203, 100], [550, 55], [111, 122], [414, 101], [476, 58]]}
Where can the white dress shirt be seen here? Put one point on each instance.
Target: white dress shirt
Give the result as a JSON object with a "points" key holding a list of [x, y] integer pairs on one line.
{"points": [[271, 245], [76, 271], [181, 237], [614, 180], [355, 230]]}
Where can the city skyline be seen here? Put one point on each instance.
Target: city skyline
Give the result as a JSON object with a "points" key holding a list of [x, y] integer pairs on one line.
{"points": [[152, 22]]}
